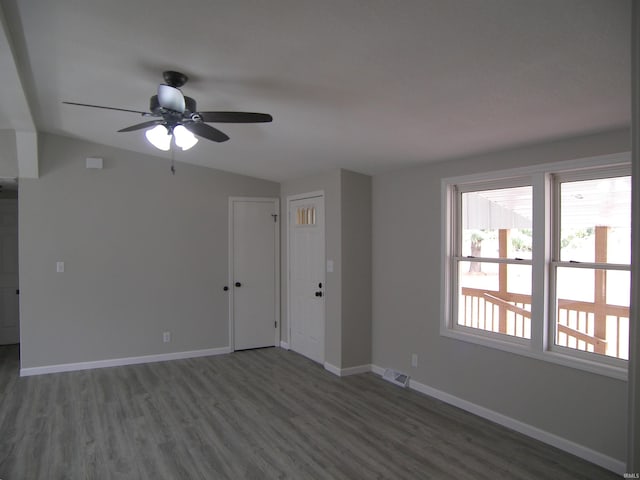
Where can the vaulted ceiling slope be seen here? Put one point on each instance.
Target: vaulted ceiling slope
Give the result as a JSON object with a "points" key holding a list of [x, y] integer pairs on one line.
{"points": [[368, 85]]}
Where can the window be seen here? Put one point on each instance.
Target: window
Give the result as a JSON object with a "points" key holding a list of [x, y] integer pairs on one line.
{"points": [[493, 257], [306, 216], [536, 261], [592, 260]]}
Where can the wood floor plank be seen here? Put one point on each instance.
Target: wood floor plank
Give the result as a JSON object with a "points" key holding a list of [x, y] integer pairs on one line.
{"points": [[261, 414]]}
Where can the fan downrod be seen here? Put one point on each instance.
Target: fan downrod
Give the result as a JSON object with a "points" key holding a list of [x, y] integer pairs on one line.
{"points": [[174, 79]]}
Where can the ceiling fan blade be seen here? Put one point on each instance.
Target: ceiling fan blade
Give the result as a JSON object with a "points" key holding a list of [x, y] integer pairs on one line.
{"points": [[235, 117], [206, 131], [171, 98], [140, 126], [106, 108]]}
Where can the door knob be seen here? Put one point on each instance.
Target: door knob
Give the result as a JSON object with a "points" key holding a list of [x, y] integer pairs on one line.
{"points": [[238, 284], [318, 294]]}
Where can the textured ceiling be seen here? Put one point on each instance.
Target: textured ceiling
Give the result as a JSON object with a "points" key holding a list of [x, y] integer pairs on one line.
{"points": [[368, 85]]}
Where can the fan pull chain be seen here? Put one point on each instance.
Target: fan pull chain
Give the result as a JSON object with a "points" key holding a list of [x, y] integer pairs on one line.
{"points": [[173, 160]]}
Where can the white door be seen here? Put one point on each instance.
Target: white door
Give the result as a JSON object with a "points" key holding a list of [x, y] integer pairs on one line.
{"points": [[254, 272], [306, 276], [9, 305]]}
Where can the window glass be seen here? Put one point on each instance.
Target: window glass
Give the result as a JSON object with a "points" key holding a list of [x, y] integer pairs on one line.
{"points": [[495, 297], [479, 275], [488, 214], [306, 216], [595, 218], [593, 310], [575, 284]]}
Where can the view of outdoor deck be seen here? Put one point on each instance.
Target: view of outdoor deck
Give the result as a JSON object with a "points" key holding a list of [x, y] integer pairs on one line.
{"points": [[591, 281]]}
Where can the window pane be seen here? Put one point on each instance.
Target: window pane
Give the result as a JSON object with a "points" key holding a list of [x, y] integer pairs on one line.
{"points": [[497, 223], [595, 218], [305, 216], [495, 297], [575, 284], [618, 287], [593, 310], [519, 279]]}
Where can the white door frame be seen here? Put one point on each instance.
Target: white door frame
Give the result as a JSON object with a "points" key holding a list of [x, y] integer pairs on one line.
{"points": [[292, 198], [231, 273]]}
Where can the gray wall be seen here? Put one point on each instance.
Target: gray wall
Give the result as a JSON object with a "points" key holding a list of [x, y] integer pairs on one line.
{"points": [[356, 268], [348, 244], [144, 252], [8, 154], [586, 408]]}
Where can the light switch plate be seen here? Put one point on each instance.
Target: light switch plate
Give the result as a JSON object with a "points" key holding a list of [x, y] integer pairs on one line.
{"points": [[94, 162], [59, 267], [329, 266]]}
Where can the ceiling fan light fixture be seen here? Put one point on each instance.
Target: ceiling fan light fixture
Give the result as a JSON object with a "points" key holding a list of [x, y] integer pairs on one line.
{"points": [[170, 110], [159, 137], [184, 138]]}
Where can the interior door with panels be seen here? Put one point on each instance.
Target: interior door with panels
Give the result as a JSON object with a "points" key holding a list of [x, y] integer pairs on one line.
{"points": [[253, 272], [306, 286]]}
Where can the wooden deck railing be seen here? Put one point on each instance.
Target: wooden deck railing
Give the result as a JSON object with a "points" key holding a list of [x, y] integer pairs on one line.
{"points": [[578, 322], [508, 313]]}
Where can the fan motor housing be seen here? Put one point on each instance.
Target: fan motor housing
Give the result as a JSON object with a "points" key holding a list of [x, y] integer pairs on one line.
{"points": [[155, 108]]}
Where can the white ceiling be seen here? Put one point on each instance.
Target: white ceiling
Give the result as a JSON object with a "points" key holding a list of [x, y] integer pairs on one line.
{"points": [[368, 85]]}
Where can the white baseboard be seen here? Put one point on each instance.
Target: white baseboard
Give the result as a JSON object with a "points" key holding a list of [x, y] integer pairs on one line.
{"points": [[284, 345], [576, 449], [117, 362], [355, 370], [343, 372], [332, 368]]}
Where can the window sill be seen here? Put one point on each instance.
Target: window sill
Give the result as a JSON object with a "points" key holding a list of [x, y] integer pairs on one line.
{"points": [[518, 347]]}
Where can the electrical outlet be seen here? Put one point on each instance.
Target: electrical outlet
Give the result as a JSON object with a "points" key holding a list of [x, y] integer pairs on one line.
{"points": [[166, 337], [414, 360]]}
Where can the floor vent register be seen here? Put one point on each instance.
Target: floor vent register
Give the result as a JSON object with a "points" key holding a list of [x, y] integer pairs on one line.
{"points": [[397, 378]]}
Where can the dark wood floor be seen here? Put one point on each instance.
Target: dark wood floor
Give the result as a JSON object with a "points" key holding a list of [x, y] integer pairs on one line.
{"points": [[257, 414]]}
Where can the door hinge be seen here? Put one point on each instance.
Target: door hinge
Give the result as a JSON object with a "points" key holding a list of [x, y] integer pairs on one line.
{"points": [[275, 217], [275, 324]]}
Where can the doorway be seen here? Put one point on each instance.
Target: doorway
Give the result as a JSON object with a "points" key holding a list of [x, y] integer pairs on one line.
{"points": [[306, 282], [254, 280], [9, 288]]}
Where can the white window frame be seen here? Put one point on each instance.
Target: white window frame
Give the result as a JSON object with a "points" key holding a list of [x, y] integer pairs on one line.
{"points": [[457, 257], [541, 345], [556, 262]]}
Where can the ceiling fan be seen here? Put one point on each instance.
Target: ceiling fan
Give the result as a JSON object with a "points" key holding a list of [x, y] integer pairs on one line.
{"points": [[175, 114]]}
